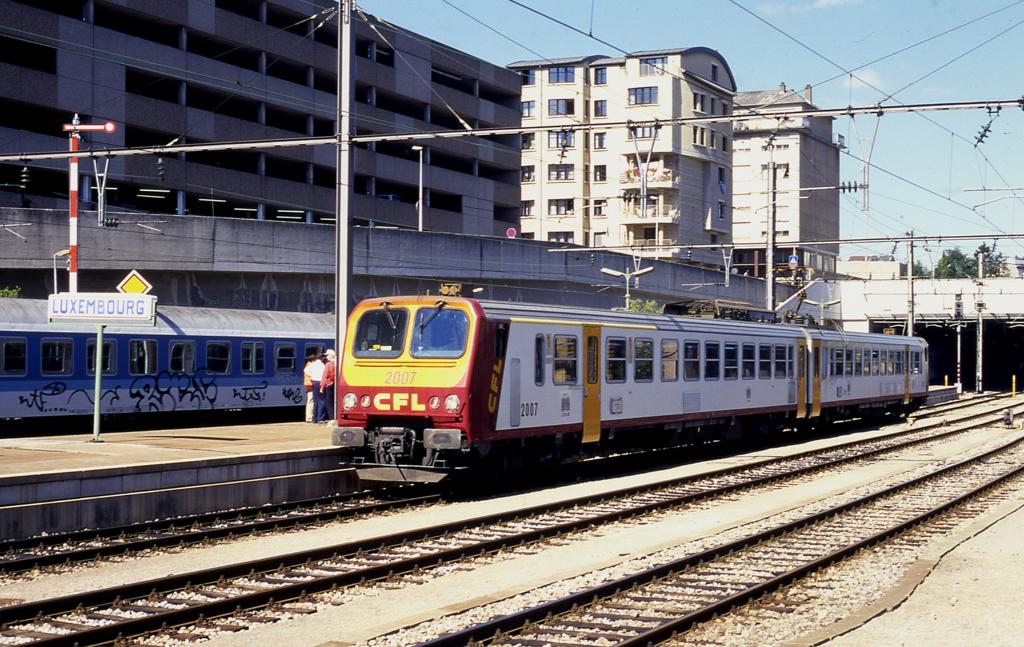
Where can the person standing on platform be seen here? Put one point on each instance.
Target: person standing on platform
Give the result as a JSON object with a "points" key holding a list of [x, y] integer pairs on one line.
{"points": [[307, 381], [315, 370], [327, 384]]}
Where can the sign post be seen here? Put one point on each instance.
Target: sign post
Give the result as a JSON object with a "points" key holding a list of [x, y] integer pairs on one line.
{"points": [[103, 309]]}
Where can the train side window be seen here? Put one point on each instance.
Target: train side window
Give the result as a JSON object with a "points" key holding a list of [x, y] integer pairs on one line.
{"points": [[874, 361], [691, 360], [538, 360], [849, 362], [252, 356], [791, 355], [883, 362], [749, 365], [712, 360], [218, 357], [779, 352], [857, 362], [284, 358], [593, 370], [109, 357], [643, 360], [764, 362], [730, 361], [615, 361], [182, 357], [566, 355], [56, 357], [669, 360], [916, 367], [142, 356], [13, 357]]}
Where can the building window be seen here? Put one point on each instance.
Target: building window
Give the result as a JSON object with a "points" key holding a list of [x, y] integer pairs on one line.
{"points": [[564, 237], [713, 143], [558, 107], [526, 173], [652, 66], [528, 141], [600, 173], [615, 361], [599, 238], [561, 139], [643, 360], [560, 207], [599, 141], [714, 100], [643, 96], [722, 212], [561, 171], [565, 360], [698, 102], [526, 208], [725, 143], [600, 75], [714, 72], [699, 133], [528, 108], [562, 74], [642, 132], [598, 210], [725, 108], [529, 76], [601, 108]]}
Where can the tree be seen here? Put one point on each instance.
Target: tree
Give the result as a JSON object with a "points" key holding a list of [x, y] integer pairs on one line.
{"points": [[995, 262], [921, 271], [954, 264], [11, 293], [644, 305]]}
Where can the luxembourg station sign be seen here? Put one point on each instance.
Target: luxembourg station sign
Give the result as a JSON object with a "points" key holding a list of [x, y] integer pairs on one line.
{"points": [[108, 308]]}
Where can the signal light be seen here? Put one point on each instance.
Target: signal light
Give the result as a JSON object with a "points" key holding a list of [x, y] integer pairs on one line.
{"points": [[958, 307], [110, 222], [26, 177]]}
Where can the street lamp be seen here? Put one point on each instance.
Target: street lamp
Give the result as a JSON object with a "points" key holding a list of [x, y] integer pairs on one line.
{"points": [[628, 276], [62, 253], [419, 194]]}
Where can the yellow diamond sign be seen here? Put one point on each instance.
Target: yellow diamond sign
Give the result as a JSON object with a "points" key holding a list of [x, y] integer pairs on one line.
{"points": [[134, 283]]}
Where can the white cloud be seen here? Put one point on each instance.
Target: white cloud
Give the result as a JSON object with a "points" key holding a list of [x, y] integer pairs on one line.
{"points": [[803, 7]]}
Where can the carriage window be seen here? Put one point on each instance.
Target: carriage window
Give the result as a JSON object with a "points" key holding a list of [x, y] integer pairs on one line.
{"points": [[669, 360], [712, 360], [849, 362], [379, 333], [182, 357], [615, 361], [56, 359], [749, 361], [857, 360], [440, 332], [109, 357], [691, 360], [730, 359], [883, 366], [643, 360], [142, 357], [284, 358], [780, 360], [565, 360], [252, 357], [12, 356], [874, 362], [218, 357], [593, 370], [916, 367], [538, 360], [764, 362]]}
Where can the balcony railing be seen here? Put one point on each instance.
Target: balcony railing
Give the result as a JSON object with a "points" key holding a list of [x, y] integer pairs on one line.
{"points": [[654, 178], [664, 212]]}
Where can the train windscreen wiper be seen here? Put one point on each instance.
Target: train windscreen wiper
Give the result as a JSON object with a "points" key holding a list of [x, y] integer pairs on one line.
{"points": [[437, 310]]}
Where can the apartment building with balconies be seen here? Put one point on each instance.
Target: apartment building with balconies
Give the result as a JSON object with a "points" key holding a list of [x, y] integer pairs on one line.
{"points": [[806, 162], [585, 182]]}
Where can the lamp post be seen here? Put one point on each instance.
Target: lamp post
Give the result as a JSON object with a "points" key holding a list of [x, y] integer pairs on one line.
{"points": [[628, 276], [419, 192], [62, 253]]}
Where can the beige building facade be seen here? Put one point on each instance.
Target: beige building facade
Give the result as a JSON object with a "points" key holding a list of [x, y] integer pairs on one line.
{"points": [[583, 184], [806, 169]]}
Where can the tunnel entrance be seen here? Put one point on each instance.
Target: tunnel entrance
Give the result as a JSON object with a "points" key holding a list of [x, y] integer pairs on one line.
{"points": [[1002, 359]]}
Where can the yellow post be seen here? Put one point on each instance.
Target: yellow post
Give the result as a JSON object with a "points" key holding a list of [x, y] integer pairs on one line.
{"points": [[945, 380], [1013, 393]]}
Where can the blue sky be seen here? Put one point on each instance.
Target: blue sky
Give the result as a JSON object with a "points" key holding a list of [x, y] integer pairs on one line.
{"points": [[850, 33]]}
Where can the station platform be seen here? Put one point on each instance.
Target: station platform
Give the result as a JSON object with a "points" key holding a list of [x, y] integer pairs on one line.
{"points": [[65, 483]]}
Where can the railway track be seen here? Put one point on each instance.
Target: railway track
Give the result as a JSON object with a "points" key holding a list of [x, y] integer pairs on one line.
{"points": [[664, 602], [135, 609], [36, 552]]}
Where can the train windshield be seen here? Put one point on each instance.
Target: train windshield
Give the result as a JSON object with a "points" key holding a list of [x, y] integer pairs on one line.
{"points": [[440, 332], [381, 333]]}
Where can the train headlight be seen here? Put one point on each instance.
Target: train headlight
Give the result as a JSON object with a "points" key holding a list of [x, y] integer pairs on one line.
{"points": [[452, 403], [364, 401], [434, 403], [349, 401]]}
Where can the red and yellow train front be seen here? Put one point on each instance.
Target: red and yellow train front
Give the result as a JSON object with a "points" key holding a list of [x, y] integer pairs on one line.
{"points": [[405, 379]]}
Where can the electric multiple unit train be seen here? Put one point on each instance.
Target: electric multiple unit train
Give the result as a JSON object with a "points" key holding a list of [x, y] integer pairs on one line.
{"points": [[434, 384]]}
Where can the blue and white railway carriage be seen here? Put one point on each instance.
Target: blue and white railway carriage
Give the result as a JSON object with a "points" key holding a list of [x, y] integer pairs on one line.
{"points": [[193, 359]]}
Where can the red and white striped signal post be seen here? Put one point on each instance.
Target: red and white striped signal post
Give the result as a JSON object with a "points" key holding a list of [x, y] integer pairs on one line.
{"points": [[73, 129]]}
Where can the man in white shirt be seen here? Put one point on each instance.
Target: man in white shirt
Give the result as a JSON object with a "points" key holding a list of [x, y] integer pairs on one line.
{"points": [[315, 371]]}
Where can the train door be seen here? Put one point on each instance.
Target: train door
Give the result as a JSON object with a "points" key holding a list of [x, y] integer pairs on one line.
{"points": [[591, 384], [816, 361], [801, 380]]}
